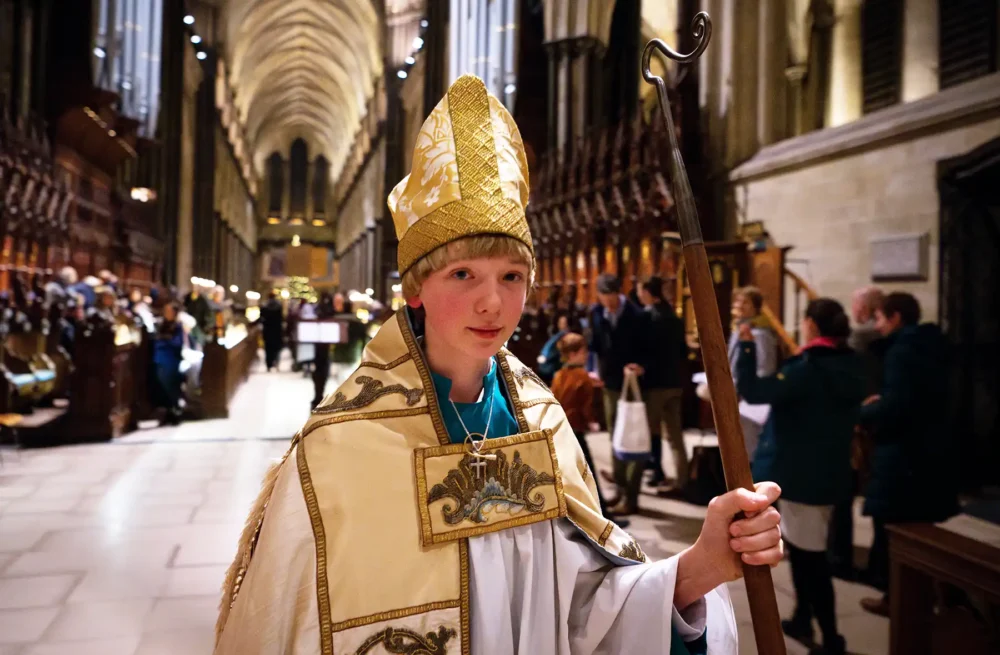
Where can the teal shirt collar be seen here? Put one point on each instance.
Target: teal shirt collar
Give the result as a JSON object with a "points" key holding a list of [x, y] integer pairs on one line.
{"points": [[442, 385], [502, 424]]}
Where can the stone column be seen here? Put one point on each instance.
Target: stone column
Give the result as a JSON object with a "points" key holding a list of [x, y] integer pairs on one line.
{"points": [[286, 196], [185, 209], [562, 82], [920, 49], [772, 56], [310, 175], [742, 106], [844, 97]]}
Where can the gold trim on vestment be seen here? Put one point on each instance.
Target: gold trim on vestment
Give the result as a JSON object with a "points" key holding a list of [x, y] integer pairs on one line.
{"points": [[515, 399], [475, 149], [425, 377], [386, 367], [608, 529], [421, 455], [322, 589], [395, 614], [526, 373], [539, 401], [462, 218], [466, 613], [393, 640], [369, 416], [371, 391]]}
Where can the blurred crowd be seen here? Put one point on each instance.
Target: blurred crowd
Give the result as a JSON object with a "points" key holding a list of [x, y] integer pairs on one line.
{"points": [[858, 407], [178, 326]]}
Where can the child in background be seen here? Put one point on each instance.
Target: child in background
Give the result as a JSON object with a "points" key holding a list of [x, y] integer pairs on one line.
{"points": [[574, 389]]}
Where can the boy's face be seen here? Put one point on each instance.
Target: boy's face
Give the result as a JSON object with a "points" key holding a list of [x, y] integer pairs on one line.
{"points": [[473, 305]]}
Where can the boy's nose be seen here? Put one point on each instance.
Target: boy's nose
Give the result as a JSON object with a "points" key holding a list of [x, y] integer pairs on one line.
{"points": [[490, 302]]}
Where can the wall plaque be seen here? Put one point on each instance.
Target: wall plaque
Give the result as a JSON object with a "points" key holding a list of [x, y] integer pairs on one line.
{"points": [[900, 257]]}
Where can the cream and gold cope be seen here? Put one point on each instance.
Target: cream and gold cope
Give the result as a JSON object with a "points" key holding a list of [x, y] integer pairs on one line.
{"points": [[390, 501]]}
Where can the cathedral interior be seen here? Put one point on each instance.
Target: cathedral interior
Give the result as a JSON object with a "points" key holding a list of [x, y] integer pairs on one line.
{"points": [[223, 166]]}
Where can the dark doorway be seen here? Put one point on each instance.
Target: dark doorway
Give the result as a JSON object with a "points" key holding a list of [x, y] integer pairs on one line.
{"points": [[970, 305]]}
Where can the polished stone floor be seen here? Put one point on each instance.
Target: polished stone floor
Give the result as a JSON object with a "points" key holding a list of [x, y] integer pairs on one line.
{"points": [[121, 548]]}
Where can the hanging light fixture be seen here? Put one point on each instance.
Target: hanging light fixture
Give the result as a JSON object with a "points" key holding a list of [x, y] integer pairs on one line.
{"points": [[189, 20]]}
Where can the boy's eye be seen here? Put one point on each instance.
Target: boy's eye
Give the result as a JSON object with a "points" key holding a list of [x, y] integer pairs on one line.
{"points": [[461, 274], [513, 276]]}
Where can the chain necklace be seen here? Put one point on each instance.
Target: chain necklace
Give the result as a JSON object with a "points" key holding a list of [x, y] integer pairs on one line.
{"points": [[476, 445]]}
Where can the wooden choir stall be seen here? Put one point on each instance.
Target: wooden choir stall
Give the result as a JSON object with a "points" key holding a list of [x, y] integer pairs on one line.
{"points": [[604, 206], [226, 366], [110, 390]]}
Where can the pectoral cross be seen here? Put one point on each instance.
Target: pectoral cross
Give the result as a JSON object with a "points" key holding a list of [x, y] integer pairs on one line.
{"points": [[479, 465], [479, 460]]}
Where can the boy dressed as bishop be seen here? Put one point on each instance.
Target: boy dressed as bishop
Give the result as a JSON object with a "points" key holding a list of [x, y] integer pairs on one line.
{"points": [[438, 502]]}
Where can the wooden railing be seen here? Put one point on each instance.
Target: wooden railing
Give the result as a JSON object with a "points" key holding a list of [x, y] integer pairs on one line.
{"points": [[801, 294]]}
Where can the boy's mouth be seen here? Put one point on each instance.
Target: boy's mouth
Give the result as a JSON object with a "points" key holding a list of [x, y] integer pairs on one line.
{"points": [[485, 333]]}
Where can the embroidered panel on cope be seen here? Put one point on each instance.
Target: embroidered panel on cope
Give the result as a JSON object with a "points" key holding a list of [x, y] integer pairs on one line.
{"points": [[462, 496]]}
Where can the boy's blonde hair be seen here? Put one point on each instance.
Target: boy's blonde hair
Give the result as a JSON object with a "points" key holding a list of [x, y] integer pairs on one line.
{"points": [[489, 245]]}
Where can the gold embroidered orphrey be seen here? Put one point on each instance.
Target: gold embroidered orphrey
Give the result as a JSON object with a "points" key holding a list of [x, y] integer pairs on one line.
{"points": [[506, 486], [524, 373], [403, 641], [371, 390], [632, 551]]}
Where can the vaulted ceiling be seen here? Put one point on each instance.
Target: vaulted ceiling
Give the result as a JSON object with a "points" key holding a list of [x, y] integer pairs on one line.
{"points": [[303, 68]]}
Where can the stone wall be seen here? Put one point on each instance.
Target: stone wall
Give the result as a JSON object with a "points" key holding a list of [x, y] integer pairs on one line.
{"points": [[828, 194]]}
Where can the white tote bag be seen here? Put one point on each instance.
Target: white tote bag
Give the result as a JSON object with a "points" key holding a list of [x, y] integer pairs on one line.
{"points": [[631, 438]]}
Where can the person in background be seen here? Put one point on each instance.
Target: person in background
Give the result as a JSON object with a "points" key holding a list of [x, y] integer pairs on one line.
{"points": [[805, 448], [574, 390], [913, 475], [321, 363], [748, 303], [346, 355], [168, 342], [549, 360], [85, 288], [106, 305], [662, 388], [619, 331], [109, 279], [272, 320], [864, 341], [57, 290], [198, 307]]}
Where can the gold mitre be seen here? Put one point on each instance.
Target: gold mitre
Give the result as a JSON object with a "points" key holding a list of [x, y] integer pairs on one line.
{"points": [[469, 175]]}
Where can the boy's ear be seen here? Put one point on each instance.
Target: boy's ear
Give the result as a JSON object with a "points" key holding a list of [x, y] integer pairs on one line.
{"points": [[414, 302]]}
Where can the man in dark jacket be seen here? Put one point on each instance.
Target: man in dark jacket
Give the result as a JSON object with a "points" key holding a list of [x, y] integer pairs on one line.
{"points": [[912, 477], [272, 319], [619, 331], [662, 388], [864, 340]]}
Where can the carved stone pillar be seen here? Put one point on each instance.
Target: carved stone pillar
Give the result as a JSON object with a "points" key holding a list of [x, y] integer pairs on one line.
{"points": [[844, 95], [185, 213], [286, 195], [772, 56], [310, 181], [920, 48]]}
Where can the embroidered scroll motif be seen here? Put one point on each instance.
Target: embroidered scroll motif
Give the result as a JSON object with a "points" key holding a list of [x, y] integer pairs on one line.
{"points": [[505, 487], [371, 390], [526, 373], [402, 641], [632, 551]]}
